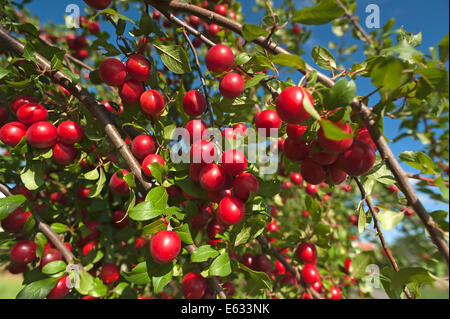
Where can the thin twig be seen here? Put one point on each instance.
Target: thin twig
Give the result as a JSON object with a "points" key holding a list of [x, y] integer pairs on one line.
{"points": [[387, 251], [354, 21]]}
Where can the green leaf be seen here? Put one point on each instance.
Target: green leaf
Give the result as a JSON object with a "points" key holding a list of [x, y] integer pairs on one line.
{"points": [[220, 266], [341, 94], [269, 188], [154, 227], [54, 267], [389, 219], [59, 228], [404, 50], [38, 289], [333, 132], [310, 109], [203, 253], [359, 264], [9, 204], [185, 234], [157, 171], [255, 80], [443, 49], [4, 72], [322, 13], [411, 275], [138, 275], [361, 219], [261, 279], [92, 175], [154, 205], [418, 160], [247, 231], [175, 58], [323, 58], [159, 282], [99, 185], [113, 13], [33, 176], [250, 32], [387, 73], [290, 60]]}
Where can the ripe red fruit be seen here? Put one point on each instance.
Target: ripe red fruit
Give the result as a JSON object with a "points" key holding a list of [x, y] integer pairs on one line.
{"points": [[347, 265], [12, 133], [295, 132], [247, 260], [98, 4], [64, 154], [32, 113], [94, 27], [295, 151], [120, 219], [194, 21], [195, 128], [310, 274], [234, 162], [364, 135], [212, 177], [156, 15], [317, 286], [268, 119], [337, 176], [89, 246], [408, 211], [307, 252], [194, 103], [262, 263], [231, 211], [152, 103], [200, 219], [393, 189], [142, 146], [296, 29], [16, 269], [61, 289], [290, 105], [49, 255], [23, 252], [272, 226], [193, 286], [138, 67], [150, 159], [130, 92], [221, 9], [3, 115], [70, 132], [214, 228], [229, 288], [232, 85], [118, 185], [232, 15], [83, 193], [243, 184], [331, 146], [312, 189], [203, 151], [357, 160], [165, 246], [15, 222], [112, 72], [220, 59], [81, 54], [194, 171], [354, 220], [41, 135], [110, 274], [335, 293], [213, 29], [296, 178], [20, 101], [312, 172]]}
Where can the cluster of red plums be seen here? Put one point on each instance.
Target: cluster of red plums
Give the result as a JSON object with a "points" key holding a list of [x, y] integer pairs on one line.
{"points": [[39, 132]]}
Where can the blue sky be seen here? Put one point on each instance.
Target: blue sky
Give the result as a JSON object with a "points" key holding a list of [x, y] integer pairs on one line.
{"points": [[430, 18]]}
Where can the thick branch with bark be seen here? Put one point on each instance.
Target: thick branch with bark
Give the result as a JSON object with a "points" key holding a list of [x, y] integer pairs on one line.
{"points": [[357, 106]]}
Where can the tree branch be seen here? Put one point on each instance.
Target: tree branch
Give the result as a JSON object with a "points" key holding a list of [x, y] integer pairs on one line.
{"points": [[46, 230], [354, 21], [387, 251], [357, 105]]}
